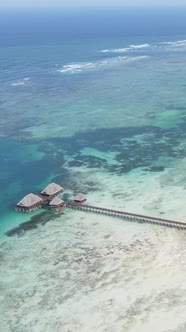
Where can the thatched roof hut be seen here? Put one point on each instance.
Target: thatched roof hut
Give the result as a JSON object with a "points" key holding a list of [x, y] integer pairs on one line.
{"points": [[80, 198], [53, 189], [56, 202], [30, 201]]}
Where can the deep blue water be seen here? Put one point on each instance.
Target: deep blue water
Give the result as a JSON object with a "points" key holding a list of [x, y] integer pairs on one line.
{"points": [[95, 26], [50, 62]]}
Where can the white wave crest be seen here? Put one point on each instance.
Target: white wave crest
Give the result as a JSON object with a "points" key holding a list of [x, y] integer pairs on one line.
{"points": [[125, 49], [90, 66], [105, 51], [115, 50], [76, 68], [136, 47], [137, 58], [17, 83], [21, 82], [178, 43]]}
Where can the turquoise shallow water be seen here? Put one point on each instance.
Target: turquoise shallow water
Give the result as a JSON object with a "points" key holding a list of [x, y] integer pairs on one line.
{"points": [[95, 102], [113, 103]]}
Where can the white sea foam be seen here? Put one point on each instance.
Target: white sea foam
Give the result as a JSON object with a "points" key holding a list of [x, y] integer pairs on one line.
{"points": [[178, 43], [76, 68], [17, 83], [125, 49], [89, 66], [104, 51], [139, 46], [21, 82], [79, 67], [115, 50], [120, 50], [137, 58]]}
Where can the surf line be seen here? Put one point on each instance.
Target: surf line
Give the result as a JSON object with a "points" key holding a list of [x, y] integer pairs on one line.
{"points": [[126, 215]]}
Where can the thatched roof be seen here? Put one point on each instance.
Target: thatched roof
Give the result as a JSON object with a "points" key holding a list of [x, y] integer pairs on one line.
{"points": [[56, 201], [52, 189], [80, 198], [29, 200]]}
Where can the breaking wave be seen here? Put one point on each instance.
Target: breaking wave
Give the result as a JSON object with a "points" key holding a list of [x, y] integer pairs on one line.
{"points": [[76, 68], [20, 82], [125, 49], [175, 44], [163, 46]]}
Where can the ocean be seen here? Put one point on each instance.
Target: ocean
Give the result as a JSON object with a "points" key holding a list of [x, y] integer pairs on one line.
{"points": [[95, 101]]}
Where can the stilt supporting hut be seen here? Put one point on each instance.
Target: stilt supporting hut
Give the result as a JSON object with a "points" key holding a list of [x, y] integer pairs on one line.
{"points": [[80, 198], [29, 203], [52, 190], [57, 204]]}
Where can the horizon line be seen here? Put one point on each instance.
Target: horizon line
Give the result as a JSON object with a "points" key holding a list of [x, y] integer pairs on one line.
{"points": [[80, 7]]}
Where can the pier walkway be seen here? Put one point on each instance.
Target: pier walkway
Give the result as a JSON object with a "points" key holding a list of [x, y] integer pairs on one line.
{"points": [[126, 215]]}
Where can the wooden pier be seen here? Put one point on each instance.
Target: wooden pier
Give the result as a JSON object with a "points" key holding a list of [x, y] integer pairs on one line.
{"points": [[49, 197], [126, 215]]}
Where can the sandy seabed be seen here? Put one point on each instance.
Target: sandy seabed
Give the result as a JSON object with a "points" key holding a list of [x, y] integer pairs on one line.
{"points": [[83, 272]]}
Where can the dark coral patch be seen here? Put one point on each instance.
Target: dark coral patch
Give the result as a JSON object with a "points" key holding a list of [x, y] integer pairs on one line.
{"points": [[135, 147], [33, 223]]}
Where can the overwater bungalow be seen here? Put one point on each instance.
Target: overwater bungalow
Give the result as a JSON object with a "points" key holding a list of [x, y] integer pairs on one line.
{"points": [[29, 203], [80, 198], [57, 204], [52, 190]]}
